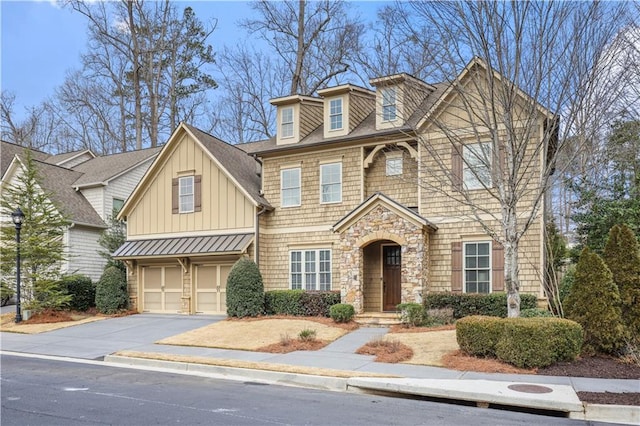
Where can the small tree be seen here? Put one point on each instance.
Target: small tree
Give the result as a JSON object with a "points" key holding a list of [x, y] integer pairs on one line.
{"points": [[594, 303], [111, 239], [622, 255], [111, 291], [245, 292], [42, 245]]}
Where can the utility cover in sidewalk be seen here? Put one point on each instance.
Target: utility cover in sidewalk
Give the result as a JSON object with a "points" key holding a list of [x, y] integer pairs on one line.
{"points": [[530, 388]]}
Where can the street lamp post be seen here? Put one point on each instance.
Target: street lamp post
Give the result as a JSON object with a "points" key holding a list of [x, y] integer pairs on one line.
{"points": [[18, 218]]}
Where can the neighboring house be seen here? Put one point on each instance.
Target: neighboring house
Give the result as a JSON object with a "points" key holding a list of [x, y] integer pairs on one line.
{"points": [[333, 202], [86, 189]]}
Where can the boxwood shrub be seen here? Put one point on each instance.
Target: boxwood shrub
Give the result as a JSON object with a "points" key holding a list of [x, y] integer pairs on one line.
{"points": [[283, 302], [478, 335], [539, 342], [464, 304], [342, 312]]}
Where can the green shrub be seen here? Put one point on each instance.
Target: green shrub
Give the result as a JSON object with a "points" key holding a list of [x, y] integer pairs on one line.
{"points": [[6, 293], [567, 282], [538, 342], [317, 303], [111, 291], [594, 303], [535, 313], [411, 314], [342, 312], [245, 292], [622, 256], [478, 335], [82, 291], [48, 294], [283, 302], [464, 304]]}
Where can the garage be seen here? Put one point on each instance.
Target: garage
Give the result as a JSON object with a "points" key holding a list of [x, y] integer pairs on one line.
{"points": [[161, 288], [210, 282]]}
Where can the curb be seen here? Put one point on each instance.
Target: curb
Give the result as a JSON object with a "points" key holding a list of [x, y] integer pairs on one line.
{"points": [[577, 410], [335, 384]]}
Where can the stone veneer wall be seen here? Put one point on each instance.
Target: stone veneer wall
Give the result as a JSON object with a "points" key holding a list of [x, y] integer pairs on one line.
{"points": [[383, 224]]}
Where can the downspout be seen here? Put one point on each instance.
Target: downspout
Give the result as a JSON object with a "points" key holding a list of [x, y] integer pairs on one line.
{"points": [[257, 244]]}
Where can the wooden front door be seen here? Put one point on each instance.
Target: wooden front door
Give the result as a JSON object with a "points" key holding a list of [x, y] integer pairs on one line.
{"points": [[391, 276]]}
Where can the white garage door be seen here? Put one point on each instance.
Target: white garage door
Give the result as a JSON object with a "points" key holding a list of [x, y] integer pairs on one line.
{"points": [[161, 289], [211, 288]]}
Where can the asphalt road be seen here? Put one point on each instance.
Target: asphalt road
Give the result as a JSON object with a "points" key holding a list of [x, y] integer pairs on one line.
{"points": [[44, 392]]}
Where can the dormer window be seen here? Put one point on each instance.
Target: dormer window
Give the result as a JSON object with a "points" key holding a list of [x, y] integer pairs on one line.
{"points": [[335, 113], [389, 104], [286, 126]]}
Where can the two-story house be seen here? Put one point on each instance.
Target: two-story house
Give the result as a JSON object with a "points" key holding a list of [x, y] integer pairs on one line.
{"points": [[86, 188], [339, 199]]}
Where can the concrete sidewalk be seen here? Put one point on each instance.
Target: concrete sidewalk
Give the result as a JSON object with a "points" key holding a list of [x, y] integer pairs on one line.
{"points": [[100, 339]]}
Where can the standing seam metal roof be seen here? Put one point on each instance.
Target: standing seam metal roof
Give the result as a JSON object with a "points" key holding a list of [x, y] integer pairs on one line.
{"points": [[184, 246]]}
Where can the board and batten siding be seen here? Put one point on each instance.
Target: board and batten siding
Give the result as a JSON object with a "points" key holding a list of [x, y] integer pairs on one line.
{"points": [[83, 249], [224, 205]]}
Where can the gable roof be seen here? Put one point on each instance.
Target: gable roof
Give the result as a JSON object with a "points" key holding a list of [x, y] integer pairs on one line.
{"points": [[60, 159], [9, 150], [380, 199], [58, 183], [234, 161], [100, 170], [231, 160]]}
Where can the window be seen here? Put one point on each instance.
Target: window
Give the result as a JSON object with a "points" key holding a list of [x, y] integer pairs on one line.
{"points": [[310, 269], [394, 166], [116, 206], [286, 128], [290, 187], [388, 104], [185, 194], [477, 267], [331, 183], [476, 167], [335, 114]]}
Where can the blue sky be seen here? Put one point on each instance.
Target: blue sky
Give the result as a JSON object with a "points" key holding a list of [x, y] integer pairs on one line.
{"points": [[40, 41]]}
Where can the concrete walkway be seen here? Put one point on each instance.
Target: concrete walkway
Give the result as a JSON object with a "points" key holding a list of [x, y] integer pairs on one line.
{"points": [[100, 339]]}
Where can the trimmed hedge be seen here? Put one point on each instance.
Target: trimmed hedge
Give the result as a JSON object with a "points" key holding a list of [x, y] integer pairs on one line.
{"points": [[300, 302], [342, 312], [411, 314], [536, 313], [463, 304], [478, 335], [283, 302], [245, 291], [539, 342], [82, 291], [523, 342], [111, 291], [318, 303]]}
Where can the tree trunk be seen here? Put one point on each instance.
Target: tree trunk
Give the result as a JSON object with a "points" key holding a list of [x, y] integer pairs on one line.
{"points": [[136, 75], [297, 73], [511, 275]]}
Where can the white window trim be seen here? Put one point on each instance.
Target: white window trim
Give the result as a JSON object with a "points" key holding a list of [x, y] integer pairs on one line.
{"points": [[467, 168], [464, 265], [332, 114], [181, 195], [394, 156], [322, 167], [282, 188], [283, 123], [317, 272], [387, 104]]}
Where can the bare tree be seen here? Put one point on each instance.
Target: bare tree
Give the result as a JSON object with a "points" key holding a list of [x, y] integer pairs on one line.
{"points": [[152, 61], [317, 41], [531, 94]]}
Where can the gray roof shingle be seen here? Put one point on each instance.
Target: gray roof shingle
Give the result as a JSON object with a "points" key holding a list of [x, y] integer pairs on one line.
{"points": [[102, 169]]}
